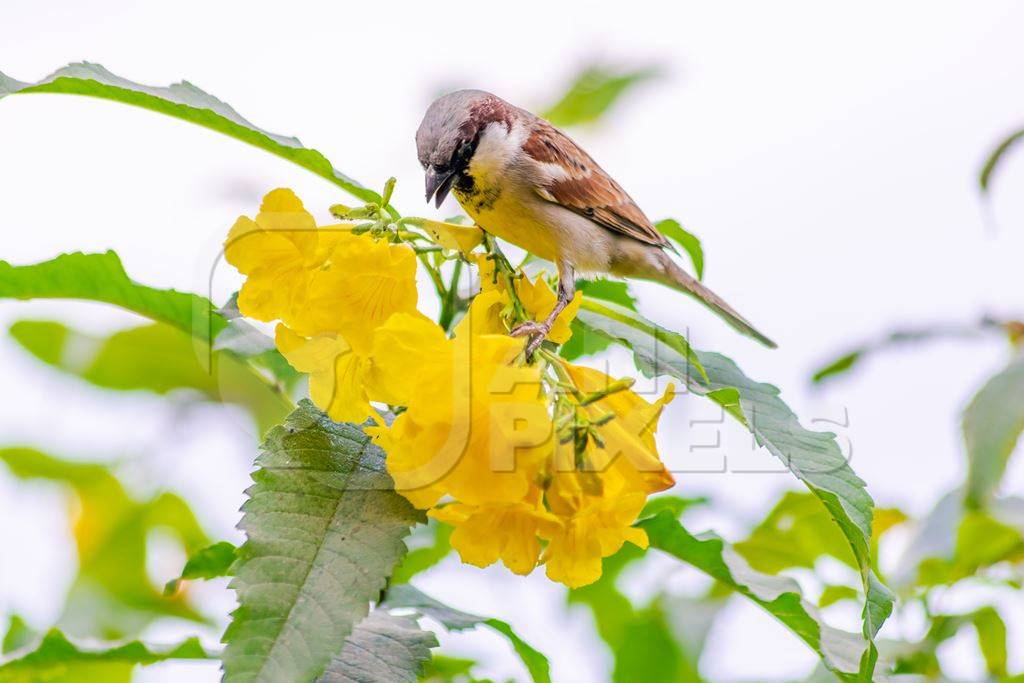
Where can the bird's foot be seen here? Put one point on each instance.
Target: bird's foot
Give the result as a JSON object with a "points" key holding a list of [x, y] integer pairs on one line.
{"points": [[535, 331]]}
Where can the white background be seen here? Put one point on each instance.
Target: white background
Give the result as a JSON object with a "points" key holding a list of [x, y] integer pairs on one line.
{"points": [[826, 155]]}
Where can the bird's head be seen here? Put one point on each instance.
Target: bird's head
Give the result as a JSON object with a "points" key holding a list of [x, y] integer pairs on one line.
{"points": [[448, 137]]}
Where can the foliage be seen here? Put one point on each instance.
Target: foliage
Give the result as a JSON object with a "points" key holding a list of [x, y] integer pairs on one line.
{"points": [[56, 659], [595, 90], [304, 578]]}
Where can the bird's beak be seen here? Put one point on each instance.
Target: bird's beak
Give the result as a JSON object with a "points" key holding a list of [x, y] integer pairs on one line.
{"points": [[438, 184]]}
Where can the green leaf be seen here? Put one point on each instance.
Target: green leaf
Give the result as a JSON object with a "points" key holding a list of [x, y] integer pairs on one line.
{"points": [[188, 103], [837, 367], [101, 277], [995, 157], [795, 533], [833, 594], [902, 337], [405, 595], [56, 659], [420, 559], [112, 594], [993, 422], [648, 341], [157, 358], [382, 647], [593, 93], [840, 651], [661, 641], [211, 562], [813, 457], [921, 657], [673, 230], [18, 635], [583, 343], [324, 528]]}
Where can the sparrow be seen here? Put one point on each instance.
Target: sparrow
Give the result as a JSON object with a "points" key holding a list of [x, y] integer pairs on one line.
{"points": [[523, 180]]}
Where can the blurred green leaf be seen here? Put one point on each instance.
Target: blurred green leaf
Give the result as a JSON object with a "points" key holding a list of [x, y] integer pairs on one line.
{"points": [[673, 230], [382, 647], [849, 655], [833, 594], [995, 157], [186, 102], [593, 94], [795, 533], [18, 635], [56, 659], [444, 669], [156, 358], [660, 641], [813, 457], [911, 336], [586, 343], [405, 595], [420, 559], [993, 422], [211, 562], [101, 277], [113, 595], [921, 657], [324, 530]]}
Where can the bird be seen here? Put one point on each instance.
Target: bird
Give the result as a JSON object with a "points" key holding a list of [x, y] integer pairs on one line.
{"points": [[521, 179]]}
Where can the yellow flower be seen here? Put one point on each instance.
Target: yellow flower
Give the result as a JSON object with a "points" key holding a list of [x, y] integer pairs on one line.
{"points": [[574, 552], [629, 445], [462, 238], [508, 532], [364, 282], [492, 306], [336, 373], [477, 425], [276, 252]]}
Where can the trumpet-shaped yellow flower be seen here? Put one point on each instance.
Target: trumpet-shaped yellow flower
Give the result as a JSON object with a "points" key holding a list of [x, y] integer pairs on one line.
{"points": [[277, 252], [477, 425], [574, 552], [508, 532], [336, 373], [364, 282]]}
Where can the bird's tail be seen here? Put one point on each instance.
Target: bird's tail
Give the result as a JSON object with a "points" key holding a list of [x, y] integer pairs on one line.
{"points": [[677, 278]]}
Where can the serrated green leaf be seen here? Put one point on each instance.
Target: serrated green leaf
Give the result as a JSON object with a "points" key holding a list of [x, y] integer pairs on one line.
{"points": [[673, 230], [993, 422], [56, 659], [813, 457], [186, 102], [382, 647], [781, 597], [210, 562], [594, 91], [157, 358], [101, 277], [584, 343], [995, 157], [324, 530], [405, 595], [112, 594]]}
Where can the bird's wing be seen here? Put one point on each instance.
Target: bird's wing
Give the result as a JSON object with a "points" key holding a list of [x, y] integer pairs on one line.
{"points": [[580, 185]]}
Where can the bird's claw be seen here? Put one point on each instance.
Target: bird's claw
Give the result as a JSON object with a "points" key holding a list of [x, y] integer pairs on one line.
{"points": [[535, 331]]}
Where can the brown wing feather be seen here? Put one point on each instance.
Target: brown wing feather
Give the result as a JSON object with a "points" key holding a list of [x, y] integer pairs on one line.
{"points": [[587, 189]]}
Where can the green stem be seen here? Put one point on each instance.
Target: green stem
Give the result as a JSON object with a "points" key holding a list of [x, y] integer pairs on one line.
{"points": [[448, 303]]}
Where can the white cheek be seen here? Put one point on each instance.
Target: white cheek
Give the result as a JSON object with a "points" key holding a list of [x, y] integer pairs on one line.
{"points": [[496, 149]]}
